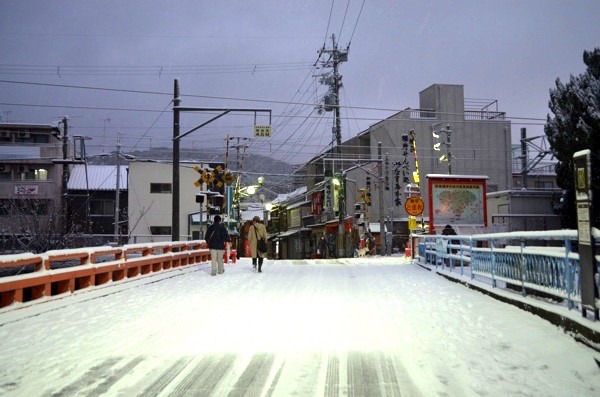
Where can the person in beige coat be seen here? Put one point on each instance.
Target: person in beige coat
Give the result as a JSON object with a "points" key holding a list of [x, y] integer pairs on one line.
{"points": [[256, 232]]}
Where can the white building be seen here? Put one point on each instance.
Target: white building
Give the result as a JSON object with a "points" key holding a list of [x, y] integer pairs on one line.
{"points": [[150, 200]]}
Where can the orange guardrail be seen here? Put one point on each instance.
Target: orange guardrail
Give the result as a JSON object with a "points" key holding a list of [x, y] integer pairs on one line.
{"points": [[97, 266]]}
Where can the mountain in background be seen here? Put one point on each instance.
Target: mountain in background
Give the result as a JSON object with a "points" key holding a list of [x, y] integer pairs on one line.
{"points": [[277, 174]]}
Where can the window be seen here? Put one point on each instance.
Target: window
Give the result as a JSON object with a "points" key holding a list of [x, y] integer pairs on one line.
{"points": [[102, 207], [160, 188], [160, 230], [41, 174]]}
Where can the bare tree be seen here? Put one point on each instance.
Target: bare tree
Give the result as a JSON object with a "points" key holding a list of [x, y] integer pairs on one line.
{"points": [[35, 225]]}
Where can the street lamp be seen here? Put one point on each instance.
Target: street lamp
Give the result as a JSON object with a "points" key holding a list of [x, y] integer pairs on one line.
{"points": [[268, 208], [448, 156]]}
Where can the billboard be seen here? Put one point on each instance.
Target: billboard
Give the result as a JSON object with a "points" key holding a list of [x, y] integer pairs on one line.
{"points": [[457, 200]]}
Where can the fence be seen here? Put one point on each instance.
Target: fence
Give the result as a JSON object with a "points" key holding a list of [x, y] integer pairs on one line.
{"points": [[554, 271], [87, 267]]}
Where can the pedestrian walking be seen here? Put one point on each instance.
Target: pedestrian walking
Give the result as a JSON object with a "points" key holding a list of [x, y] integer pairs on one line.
{"points": [[355, 241], [323, 247], [371, 243], [257, 232], [217, 238]]}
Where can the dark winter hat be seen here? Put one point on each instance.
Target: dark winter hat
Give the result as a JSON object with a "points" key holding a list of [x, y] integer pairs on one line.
{"points": [[217, 218]]}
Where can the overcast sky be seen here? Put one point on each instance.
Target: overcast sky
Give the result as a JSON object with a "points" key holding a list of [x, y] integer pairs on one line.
{"points": [[264, 52]]}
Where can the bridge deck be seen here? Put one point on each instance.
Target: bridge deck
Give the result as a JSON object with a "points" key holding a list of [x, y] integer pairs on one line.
{"points": [[370, 327]]}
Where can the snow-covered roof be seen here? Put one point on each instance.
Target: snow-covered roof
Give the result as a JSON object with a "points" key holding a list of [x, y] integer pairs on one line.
{"points": [[99, 177], [247, 215], [287, 196]]}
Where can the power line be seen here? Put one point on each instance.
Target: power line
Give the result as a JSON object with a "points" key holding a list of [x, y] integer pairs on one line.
{"points": [[67, 70], [344, 19], [356, 24], [328, 22], [237, 99]]}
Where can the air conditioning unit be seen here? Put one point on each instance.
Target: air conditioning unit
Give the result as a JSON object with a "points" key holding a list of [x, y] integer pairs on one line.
{"points": [[4, 134], [4, 168], [22, 168], [23, 135]]}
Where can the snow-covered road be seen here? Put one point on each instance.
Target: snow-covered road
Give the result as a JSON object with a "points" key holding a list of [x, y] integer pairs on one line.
{"points": [[358, 327]]}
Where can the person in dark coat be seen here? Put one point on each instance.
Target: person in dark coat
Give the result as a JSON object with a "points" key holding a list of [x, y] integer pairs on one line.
{"points": [[371, 242], [448, 230], [323, 247], [217, 237]]}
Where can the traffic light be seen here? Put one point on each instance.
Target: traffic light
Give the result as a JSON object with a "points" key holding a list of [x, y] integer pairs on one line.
{"points": [[368, 196]]}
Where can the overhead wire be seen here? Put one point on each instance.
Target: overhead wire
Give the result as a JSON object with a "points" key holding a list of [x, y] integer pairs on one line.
{"points": [[344, 19], [356, 24], [328, 22]]}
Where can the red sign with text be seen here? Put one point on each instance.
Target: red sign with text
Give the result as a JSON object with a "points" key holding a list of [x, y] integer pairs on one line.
{"points": [[317, 203]]}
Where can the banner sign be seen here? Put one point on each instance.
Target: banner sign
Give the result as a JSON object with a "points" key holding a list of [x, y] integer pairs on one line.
{"points": [[262, 131], [317, 203], [457, 200], [26, 189]]}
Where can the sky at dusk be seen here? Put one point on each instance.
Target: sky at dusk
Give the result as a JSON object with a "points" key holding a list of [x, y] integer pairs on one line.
{"points": [[110, 65]]}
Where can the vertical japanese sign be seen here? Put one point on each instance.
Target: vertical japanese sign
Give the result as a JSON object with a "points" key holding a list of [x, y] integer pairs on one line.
{"points": [[328, 198], [317, 203]]}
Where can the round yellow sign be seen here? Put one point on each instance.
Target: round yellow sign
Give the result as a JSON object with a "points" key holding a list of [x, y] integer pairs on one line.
{"points": [[414, 206]]}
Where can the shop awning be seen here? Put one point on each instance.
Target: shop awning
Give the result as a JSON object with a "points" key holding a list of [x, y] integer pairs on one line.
{"points": [[289, 233], [296, 205]]}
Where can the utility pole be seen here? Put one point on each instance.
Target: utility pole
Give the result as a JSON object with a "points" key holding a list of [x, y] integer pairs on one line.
{"points": [[65, 172], [524, 157], [117, 191], [332, 102], [177, 109], [334, 81], [337, 84], [382, 235], [175, 204]]}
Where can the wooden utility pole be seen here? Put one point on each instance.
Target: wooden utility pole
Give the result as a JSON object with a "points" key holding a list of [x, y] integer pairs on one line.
{"points": [[65, 173], [175, 204]]}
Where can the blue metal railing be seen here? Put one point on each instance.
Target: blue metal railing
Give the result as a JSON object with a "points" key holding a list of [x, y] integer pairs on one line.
{"points": [[552, 270]]}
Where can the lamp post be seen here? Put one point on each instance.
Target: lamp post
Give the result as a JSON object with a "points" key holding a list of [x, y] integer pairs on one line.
{"points": [[448, 156]]}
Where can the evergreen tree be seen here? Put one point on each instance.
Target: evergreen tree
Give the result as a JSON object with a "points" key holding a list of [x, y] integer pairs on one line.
{"points": [[574, 127]]}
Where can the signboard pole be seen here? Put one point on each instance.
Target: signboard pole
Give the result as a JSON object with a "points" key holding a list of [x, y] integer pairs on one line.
{"points": [[583, 194]]}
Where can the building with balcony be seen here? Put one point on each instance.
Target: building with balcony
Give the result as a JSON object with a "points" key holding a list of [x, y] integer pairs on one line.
{"points": [[31, 184]]}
